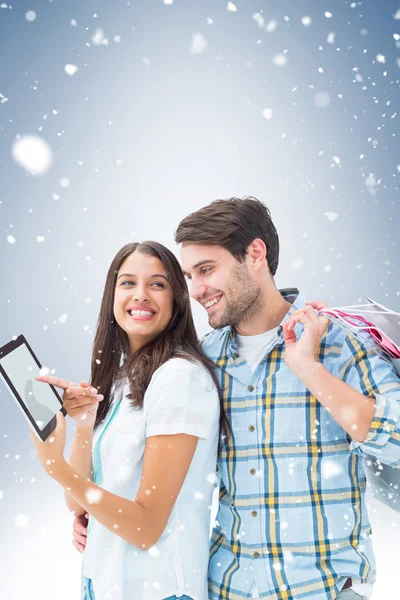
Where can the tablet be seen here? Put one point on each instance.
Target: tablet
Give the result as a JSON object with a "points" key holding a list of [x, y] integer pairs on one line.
{"points": [[38, 401]]}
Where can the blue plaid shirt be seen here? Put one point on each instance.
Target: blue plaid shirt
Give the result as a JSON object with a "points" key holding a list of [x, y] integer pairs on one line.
{"points": [[292, 517]]}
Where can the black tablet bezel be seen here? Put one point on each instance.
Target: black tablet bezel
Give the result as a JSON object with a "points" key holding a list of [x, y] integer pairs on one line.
{"points": [[7, 349]]}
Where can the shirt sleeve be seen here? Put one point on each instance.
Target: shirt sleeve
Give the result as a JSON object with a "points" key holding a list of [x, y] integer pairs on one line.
{"points": [[181, 398], [368, 372]]}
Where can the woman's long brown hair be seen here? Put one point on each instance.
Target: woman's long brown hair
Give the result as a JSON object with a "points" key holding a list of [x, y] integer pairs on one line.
{"points": [[179, 338]]}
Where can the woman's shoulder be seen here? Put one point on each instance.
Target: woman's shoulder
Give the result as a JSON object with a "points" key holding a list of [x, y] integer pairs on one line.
{"points": [[181, 371], [181, 365]]}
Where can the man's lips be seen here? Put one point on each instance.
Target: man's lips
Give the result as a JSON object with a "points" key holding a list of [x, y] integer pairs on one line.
{"points": [[211, 302]]}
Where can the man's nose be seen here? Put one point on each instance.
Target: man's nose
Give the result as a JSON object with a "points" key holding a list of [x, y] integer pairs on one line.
{"points": [[197, 290]]}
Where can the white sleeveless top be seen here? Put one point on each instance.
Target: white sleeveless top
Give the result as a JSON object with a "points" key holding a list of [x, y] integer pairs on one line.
{"points": [[181, 398]]}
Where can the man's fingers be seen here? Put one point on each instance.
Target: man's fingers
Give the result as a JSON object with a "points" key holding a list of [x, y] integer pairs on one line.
{"points": [[318, 304], [78, 546], [81, 539], [79, 529]]}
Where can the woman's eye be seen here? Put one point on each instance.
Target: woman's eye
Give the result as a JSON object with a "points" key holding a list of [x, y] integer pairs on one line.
{"points": [[158, 284], [128, 283]]}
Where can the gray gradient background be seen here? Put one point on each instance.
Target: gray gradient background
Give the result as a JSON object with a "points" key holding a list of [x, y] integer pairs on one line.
{"points": [[146, 132]]}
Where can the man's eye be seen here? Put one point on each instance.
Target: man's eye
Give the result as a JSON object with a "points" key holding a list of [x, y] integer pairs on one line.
{"points": [[188, 277], [206, 269]]}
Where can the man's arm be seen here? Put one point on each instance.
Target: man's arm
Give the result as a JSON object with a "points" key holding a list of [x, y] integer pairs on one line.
{"points": [[364, 397]]}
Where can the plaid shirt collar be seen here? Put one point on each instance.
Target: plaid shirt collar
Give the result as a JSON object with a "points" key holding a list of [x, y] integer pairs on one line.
{"points": [[227, 335]]}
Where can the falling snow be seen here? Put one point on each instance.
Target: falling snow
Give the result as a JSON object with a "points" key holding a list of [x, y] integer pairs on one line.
{"points": [[32, 153], [199, 44]]}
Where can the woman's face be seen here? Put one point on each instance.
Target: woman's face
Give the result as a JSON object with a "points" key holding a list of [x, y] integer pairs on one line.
{"points": [[143, 300]]}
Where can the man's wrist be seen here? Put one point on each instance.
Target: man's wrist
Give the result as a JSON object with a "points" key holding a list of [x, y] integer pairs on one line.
{"points": [[308, 370]]}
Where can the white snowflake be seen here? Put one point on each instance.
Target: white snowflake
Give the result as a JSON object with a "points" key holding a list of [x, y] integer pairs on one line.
{"points": [[64, 182], [332, 216], [259, 19], [98, 38], [271, 26], [22, 521], [306, 21], [93, 496], [32, 153], [267, 113], [280, 60], [330, 469], [71, 69], [30, 16], [199, 43]]}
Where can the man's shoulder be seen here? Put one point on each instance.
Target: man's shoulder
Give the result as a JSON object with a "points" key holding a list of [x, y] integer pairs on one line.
{"points": [[343, 344], [212, 341]]}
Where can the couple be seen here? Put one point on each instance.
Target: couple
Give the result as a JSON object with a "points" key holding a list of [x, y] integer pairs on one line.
{"points": [[286, 403]]}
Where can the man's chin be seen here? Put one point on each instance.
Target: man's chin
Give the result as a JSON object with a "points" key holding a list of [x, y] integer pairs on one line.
{"points": [[217, 322]]}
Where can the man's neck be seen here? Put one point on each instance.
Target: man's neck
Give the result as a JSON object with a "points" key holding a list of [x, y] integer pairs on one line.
{"points": [[271, 316]]}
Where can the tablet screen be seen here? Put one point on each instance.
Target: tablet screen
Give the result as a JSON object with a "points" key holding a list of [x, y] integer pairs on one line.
{"points": [[39, 398]]}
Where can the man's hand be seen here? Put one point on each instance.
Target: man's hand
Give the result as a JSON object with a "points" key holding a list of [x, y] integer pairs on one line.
{"points": [[301, 355], [79, 532]]}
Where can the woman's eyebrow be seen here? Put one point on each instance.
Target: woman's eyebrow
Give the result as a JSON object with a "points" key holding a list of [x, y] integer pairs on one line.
{"points": [[151, 276]]}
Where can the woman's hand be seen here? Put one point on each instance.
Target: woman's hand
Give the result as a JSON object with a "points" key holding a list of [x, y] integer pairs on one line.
{"points": [[80, 401], [51, 452]]}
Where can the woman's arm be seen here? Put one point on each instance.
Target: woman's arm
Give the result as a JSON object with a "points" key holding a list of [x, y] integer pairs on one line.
{"points": [[80, 461], [81, 403], [142, 521]]}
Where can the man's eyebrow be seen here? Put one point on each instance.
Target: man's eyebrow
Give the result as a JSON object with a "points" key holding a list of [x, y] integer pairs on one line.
{"points": [[200, 264], [151, 276]]}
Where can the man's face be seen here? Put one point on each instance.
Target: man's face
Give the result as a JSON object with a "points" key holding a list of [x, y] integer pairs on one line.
{"points": [[225, 287]]}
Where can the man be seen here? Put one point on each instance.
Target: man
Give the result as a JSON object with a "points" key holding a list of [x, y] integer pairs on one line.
{"points": [[305, 401]]}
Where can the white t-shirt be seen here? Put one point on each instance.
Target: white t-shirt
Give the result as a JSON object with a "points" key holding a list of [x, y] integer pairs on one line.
{"points": [[254, 347], [181, 398]]}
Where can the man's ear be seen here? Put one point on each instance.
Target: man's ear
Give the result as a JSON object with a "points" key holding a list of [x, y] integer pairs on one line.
{"points": [[257, 254]]}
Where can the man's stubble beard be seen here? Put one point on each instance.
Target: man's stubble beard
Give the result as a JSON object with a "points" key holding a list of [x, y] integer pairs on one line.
{"points": [[244, 307]]}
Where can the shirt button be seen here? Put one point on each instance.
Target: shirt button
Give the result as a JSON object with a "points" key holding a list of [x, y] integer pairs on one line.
{"points": [[253, 471], [253, 513], [250, 388], [256, 555], [236, 355], [251, 428]]}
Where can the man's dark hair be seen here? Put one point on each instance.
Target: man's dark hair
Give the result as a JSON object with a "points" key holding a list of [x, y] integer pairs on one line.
{"points": [[233, 224]]}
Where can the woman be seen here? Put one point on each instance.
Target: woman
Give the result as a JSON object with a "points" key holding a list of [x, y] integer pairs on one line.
{"points": [[154, 431]]}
